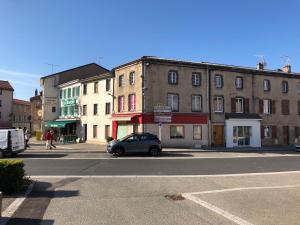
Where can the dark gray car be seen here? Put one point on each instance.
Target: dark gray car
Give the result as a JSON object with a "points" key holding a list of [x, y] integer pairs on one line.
{"points": [[135, 143]]}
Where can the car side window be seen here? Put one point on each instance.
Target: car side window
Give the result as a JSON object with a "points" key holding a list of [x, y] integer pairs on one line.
{"points": [[132, 138], [144, 138]]}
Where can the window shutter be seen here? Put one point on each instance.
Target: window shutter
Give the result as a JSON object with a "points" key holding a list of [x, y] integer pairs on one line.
{"points": [[247, 107], [298, 103], [273, 107], [274, 132], [261, 106], [297, 133], [285, 104], [288, 107], [222, 82], [262, 131], [233, 109]]}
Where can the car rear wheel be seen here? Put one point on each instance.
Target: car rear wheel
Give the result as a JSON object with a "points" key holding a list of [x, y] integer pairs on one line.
{"points": [[154, 151], [118, 152]]}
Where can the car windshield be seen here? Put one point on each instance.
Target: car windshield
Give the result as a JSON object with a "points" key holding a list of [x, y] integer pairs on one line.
{"points": [[126, 137]]}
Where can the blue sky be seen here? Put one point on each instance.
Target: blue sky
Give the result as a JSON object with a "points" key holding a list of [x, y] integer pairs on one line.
{"points": [[72, 33]]}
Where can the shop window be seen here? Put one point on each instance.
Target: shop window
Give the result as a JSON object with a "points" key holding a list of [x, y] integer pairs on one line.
{"points": [[197, 132], [196, 79], [132, 78], [173, 101], [176, 132], [173, 77], [219, 104], [196, 103], [95, 131], [95, 109], [131, 102]]}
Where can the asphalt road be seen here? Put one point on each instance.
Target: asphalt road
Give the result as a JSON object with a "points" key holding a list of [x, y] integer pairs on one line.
{"points": [[160, 166]]}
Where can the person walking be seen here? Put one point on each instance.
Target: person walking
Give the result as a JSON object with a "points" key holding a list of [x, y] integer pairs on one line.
{"points": [[26, 137], [52, 139], [48, 140]]}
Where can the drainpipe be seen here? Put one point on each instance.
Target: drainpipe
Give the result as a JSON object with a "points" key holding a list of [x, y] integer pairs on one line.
{"points": [[208, 100], [143, 93]]}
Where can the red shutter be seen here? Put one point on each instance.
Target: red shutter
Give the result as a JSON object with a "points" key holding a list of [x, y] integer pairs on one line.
{"points": [[233, 109], [262, 131], [273, 106], [247, 107], [274, 132], [261, 106]]}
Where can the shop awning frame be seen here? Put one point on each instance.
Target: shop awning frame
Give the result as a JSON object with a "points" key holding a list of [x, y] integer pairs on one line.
{"points": [[59, 124]]}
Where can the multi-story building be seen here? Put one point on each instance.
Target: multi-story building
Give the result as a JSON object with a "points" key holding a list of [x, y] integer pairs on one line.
{"points": [[51, 93], [36, 111], [21, 114], [6, 104], [212, 104]]}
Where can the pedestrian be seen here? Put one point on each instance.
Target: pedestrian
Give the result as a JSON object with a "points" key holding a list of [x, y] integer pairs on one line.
{"points": [[26, 137], [52, 138], [48, 140]]}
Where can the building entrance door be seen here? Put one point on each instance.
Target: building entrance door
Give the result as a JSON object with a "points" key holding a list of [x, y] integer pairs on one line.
{"points": [[218, 135], [286, 135]]}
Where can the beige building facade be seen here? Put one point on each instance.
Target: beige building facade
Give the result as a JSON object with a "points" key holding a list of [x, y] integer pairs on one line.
{"points": [[21, 114], [6, 104], [36, 112]]}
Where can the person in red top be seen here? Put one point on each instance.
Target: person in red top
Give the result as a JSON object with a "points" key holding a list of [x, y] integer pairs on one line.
{"points": [[52, 139], [48, 140]]}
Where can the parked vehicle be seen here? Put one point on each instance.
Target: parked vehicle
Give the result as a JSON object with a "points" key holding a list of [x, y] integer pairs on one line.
{"points": [[11, 141], [135, 143]]}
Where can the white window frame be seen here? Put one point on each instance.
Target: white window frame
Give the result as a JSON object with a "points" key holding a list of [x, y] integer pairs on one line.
{"points": [[171, 101], [267, 106], [268, 132], [219, 100], [198, 129], [285, 87], [121, 80], [196, 103], [122, 108], [239, 103], [173, 77], [267, 85], [131, 102], [239, 82], [196, 79], [218, 81], [132, 78]]}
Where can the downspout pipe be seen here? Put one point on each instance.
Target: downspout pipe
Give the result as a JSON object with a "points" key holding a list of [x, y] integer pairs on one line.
{"points": [[208, 94]]}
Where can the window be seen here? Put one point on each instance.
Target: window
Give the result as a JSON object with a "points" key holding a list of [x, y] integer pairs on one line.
{"points": [[120, 103], [173, 101], [298, 87], [84, 89], [219, 104], [65, 111], [95, 109], [107, 131], [121, 80], [197, 132], [267, 86], [78, 91], [0, 103], [96, 84], [69, 92], [65, 93], [196, 103], [131, 102], [84, 110], [173, 77], [218, 81], [196, 79], [95, 131], [176, 132], [267, 132], [107, 108], [285, 87], [239, 105], [267, 106], [53, 109], [73, 92], [239, 82], [107, 85], [132, 78]]}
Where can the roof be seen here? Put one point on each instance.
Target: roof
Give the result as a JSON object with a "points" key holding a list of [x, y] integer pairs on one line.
{"points": [[216, 66], [242, 116], [20, 102], [5, 85], [80, 72]]}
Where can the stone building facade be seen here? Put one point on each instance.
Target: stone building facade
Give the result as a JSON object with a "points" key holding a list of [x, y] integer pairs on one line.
{"points": [[21, 114], [6, 104]]}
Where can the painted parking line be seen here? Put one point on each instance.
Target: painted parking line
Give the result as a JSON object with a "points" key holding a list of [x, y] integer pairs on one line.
{"points": [[13, 207], [191, 196]]}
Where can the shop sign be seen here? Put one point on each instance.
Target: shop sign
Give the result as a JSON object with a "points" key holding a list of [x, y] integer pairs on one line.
{"points": [[163, 114], [67, 102]]}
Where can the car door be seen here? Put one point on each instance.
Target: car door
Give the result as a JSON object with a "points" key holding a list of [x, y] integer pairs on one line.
{"points": [[144, 143], [131, 144]]}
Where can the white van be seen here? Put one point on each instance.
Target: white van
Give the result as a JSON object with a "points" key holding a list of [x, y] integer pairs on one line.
{"points": [[11, 141]]}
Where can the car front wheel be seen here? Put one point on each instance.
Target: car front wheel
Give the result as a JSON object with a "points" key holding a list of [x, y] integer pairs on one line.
{"points": [[118, 152]]}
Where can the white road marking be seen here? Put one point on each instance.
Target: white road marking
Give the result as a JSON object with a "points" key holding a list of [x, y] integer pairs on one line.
{"points": [[13, 207], [163, 176], [217, 210]]}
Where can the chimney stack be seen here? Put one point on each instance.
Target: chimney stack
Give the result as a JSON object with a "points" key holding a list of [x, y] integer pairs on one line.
{"points": [[260, 66], [287, 68]]}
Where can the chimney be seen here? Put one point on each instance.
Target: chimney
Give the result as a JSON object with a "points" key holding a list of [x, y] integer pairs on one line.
{"points": [[260, 66], [287, 68]]}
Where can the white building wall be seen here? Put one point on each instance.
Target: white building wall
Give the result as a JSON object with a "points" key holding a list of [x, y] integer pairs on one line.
{"points": [[186, 142], [255, 140], [101, 119]]}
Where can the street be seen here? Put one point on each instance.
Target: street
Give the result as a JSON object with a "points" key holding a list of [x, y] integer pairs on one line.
{"points": [[76, 187]]}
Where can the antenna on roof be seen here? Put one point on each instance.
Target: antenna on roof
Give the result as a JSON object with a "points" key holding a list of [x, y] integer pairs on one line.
{"points": [[286, 60], [52, 66], [262, 59]]}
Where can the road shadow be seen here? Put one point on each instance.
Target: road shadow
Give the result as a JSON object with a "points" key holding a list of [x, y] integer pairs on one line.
{"points": [[163, 154], [41, 155], [26, 221]]}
